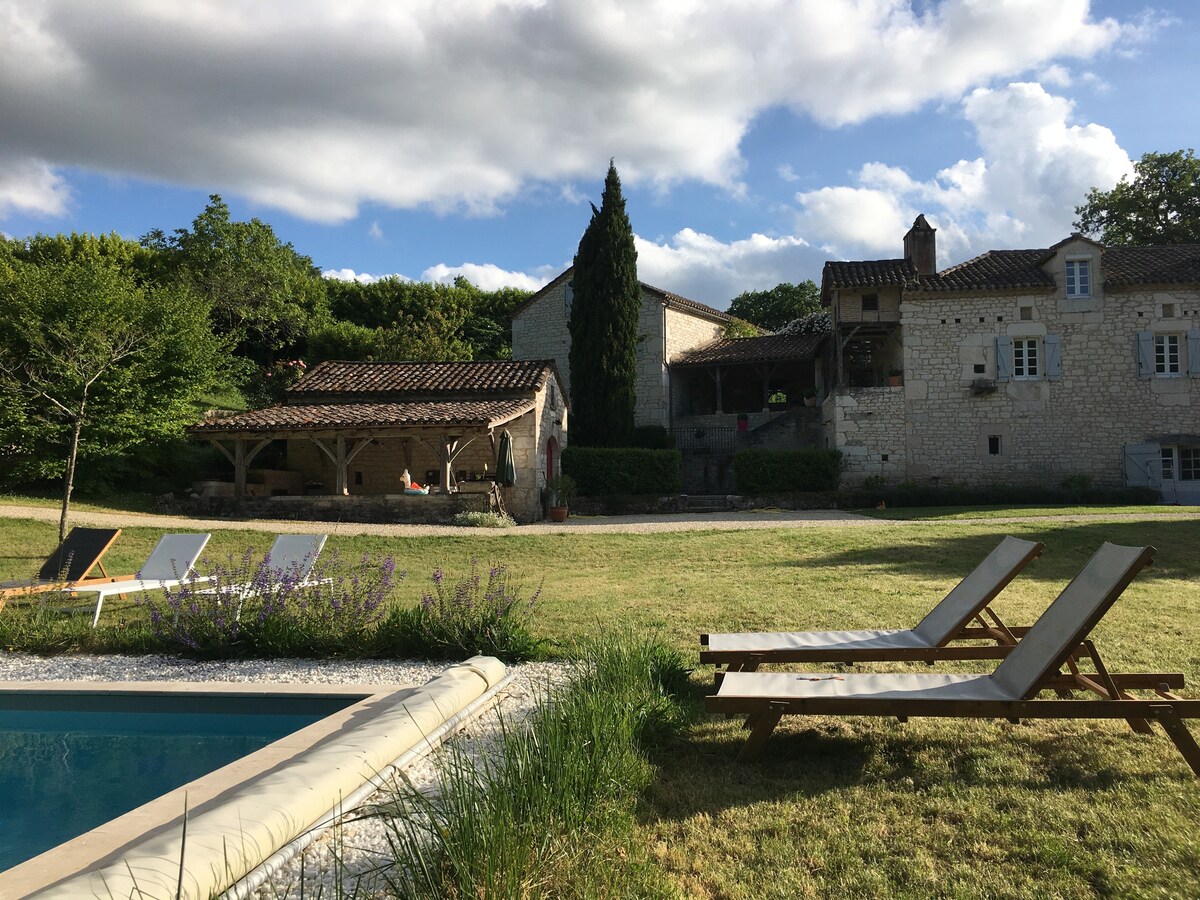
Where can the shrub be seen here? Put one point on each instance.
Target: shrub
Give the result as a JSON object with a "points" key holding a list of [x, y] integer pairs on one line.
{"points": [[653, 437], [477, 518], [600, 471], [463, 618], [250, 608], [759, 472]]}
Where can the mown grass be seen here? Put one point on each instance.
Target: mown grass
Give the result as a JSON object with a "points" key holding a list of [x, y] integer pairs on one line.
{"points": [[853, 806]]}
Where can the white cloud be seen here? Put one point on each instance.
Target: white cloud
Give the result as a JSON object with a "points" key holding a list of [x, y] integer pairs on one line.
{"points": [[489, 277], [362, 277], [319, 106], [375, 231], [712, 271], [1021, 192], [31, 186], [787, 173], [1055, 76]]}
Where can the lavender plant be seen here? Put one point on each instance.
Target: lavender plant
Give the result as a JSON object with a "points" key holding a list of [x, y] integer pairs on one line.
{"points": [[249, 607], [464, 616]]}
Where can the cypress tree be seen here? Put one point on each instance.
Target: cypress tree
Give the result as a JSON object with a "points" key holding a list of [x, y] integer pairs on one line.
{"points": [[604, 319]]}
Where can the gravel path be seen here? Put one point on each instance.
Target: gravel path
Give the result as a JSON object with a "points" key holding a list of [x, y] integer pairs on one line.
{"points": [[727, 521], [356, 848]]}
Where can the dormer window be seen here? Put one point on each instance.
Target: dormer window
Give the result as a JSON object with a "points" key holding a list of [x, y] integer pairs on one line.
{"points": [[870, 303], [1079, 278]]}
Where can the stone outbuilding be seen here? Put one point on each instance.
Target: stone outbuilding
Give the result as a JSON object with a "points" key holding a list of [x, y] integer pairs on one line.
{"points": [[350, 429]]}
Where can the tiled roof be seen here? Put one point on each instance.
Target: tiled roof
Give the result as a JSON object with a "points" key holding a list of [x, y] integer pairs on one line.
{"points": [[1151, 265], [422, 379], [771, 348], [672, 300], [867, 273], [994, 270], [342, 416]]}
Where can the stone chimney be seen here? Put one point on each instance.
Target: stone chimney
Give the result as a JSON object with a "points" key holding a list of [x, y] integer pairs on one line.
{"points": [[920, 247]]}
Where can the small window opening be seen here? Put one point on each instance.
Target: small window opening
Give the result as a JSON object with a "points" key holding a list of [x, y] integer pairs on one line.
{"points": [[870, 303], [883, 457], [1168, 311], [358, 478], [980, 368], [1026, 313], [993, 445]]}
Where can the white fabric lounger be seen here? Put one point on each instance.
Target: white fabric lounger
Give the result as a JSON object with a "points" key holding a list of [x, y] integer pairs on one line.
{"points": [[290, 560], [948, 621], [170, 564], [1034, 665]]}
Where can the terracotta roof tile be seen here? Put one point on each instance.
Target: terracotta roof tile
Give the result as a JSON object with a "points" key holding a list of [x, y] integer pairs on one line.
{"points": [[319, 417], [421, 379], [867, 273], [1179, 264], [994, 270], [771, 348]]}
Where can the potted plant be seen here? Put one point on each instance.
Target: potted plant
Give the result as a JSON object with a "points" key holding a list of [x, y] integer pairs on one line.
{"points": [[559, 491], [810, 397], [895, 378]]}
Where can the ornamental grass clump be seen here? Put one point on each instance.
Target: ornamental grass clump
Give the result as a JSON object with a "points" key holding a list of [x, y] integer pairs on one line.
{"points": [[248, 607], [463, 617], [553, 813]]}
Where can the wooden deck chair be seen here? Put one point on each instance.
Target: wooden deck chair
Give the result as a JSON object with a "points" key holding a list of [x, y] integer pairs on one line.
{"points": [[71, 563], [1059, 638], [171, 563], [290, 560], [950, 620]]}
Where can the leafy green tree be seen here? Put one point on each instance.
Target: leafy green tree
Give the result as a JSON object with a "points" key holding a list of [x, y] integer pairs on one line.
{"points": [[262, 293], [604, 317], [1161, 205], [772, 309], [93, 363]]}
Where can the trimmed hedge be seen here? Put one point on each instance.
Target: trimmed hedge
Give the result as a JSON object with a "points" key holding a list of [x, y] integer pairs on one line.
{"points": [[599, 471], [760, 472]]}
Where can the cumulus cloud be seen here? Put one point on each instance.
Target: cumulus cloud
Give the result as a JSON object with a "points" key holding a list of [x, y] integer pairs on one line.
{"points": [[318, 106], [1020, 192], [712, 271], [490, 277], [31, 186], [361, 277]]}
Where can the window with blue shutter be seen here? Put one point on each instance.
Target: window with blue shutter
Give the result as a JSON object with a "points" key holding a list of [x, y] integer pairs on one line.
{"points": [[1053, 357], [1193, 352], [1145, 354], [1004, 358]]}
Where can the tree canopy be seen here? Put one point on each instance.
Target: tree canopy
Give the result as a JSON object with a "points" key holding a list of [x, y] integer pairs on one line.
{"points": [[607, 299], [1161, 205], [773, 308], [93, 363]]}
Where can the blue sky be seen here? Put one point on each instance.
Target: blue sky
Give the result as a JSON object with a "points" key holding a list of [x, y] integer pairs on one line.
{"points": [[437, 137]]}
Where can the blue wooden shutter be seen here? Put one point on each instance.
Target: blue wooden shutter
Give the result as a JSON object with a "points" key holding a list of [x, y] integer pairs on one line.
{"points": [[1004, 358], [1145, 354], [1053, 357], [1194, 353]]}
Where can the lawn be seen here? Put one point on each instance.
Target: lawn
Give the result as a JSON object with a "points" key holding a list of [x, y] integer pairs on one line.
{"points": [[855, 807]]}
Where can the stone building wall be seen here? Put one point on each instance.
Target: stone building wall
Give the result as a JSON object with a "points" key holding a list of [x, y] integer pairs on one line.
{"points": [[961, 425], [540, 331], [868, 426]]}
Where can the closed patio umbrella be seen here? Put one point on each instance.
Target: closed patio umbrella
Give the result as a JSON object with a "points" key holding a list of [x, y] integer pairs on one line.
{"points": [[506, 467]]}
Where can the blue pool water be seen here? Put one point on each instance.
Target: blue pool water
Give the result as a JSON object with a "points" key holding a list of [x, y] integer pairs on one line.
{"points": [[70, 762]]}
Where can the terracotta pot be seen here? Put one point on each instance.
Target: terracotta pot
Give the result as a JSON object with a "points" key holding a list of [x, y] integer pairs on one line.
{"points": [[558, 513], [895, 380]]}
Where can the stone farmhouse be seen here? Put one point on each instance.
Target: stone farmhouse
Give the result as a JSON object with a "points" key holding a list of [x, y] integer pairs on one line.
{"points": [[715, 394], [349, 430], [1018, 366]]}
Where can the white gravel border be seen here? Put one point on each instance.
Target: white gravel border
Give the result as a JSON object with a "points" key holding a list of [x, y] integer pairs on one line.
{"points": [[349, 855]]}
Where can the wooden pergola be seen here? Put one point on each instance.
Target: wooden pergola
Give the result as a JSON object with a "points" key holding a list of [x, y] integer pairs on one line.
{"points": [[342, 431]]}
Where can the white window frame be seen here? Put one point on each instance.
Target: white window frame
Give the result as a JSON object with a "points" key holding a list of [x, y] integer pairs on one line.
{"points": [[1078, 278], [1168, 356], [1027, 359], [1189, 463], [1167, 470]]}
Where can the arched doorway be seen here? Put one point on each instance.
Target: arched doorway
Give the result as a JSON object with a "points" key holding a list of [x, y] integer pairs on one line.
{"points": [[551, 457]]}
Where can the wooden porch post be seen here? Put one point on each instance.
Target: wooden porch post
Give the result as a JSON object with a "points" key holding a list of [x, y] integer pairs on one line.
{"points": [[340, 486], [239, 469]]}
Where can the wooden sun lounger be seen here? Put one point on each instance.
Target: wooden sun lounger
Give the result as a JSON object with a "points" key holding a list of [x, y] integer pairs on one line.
{"points": [[1058, 639], [70, 565], [171, 563], [929, 641]]}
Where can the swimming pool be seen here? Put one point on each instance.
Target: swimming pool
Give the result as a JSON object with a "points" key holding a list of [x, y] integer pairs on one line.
{"points": [[72, 761]]}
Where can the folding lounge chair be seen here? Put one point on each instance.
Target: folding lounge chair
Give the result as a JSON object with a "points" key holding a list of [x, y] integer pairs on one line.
{"points": [[929, 641], [1058, 638], [171, 564], [290, 560], [70, 564]]}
